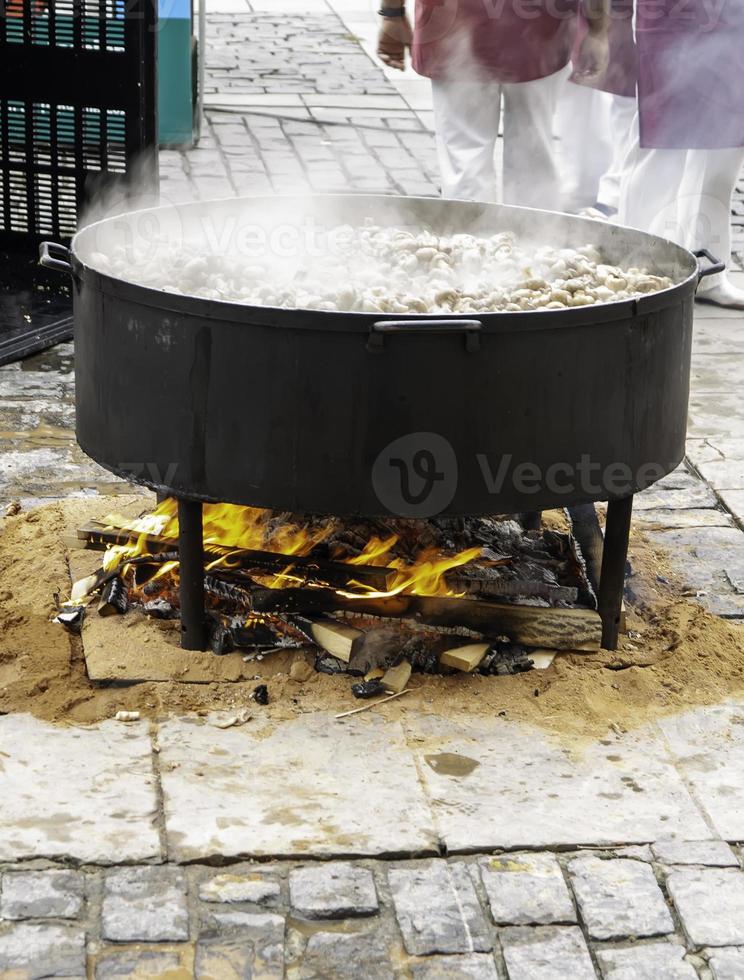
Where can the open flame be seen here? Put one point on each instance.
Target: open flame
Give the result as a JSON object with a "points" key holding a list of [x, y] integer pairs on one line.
{"points": [[252, 528]]}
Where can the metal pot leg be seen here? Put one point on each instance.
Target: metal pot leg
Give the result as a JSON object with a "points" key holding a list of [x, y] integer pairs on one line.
{"points": [[614, 557], [531, 520], [191, 571]]}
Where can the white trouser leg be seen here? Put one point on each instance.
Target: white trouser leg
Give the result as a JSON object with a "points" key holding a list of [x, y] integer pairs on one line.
{"points": [[685, 195], [466, 120], [530, 171], [582, 125], [622, 113], [704, 204], [649, 188]]}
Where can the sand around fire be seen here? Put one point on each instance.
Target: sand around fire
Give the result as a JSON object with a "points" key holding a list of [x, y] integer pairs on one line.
{"points": [[677, 656]]}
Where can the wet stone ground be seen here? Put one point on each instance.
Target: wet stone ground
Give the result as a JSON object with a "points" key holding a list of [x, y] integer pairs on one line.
{"points": [[669, 911]]}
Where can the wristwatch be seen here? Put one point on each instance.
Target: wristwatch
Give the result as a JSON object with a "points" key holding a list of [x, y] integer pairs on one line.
{"points": [[392, 11]]}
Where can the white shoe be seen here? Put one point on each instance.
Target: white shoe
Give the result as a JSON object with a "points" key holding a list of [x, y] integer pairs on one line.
{"points": [[721, 293], [594, 213]]}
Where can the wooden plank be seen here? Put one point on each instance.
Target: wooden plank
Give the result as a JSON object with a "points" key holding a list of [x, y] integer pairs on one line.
{"points": [[336, 638], [396, 678], [542, 659], [533, 626], [465, 658]]}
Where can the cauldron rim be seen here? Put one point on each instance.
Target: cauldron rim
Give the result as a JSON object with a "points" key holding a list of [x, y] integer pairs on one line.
{"points": [[359, 322]]}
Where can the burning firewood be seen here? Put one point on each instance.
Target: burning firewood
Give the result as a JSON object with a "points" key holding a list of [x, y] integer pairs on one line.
{"points": [[114, 598], [380, 596], [318, 600], [100, 537], [479, 584], [227, 592]]}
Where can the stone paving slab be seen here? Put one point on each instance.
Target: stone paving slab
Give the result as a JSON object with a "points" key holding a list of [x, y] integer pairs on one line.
{"points": [[260, 934], [127, 964], [526, 889], [95, 801], [709, 561], [713, 416], [714, 450], [693, 497], [734, 501], [717, 336], [716, 373], [472, 966], [710, 903], [29, 951], [144, 905], [676, 519], [335, 890], [649, 961], [708, 748], [218, 957], [41, 894], [624, 791], [723, 474], [438, 910], [726, 964], [546, 953], [231, 887], [296, 791], [711, 853], [330, 956], [619, 898]]}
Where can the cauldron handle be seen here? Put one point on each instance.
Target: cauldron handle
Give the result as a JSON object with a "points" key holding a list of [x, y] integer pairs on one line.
{"points": [[470, 328], [50, 262], [713, 269]]}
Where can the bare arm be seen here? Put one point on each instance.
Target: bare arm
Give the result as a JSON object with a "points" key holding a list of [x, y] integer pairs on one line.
{"points": [[395, 34], [594, 54], [598, 14]]}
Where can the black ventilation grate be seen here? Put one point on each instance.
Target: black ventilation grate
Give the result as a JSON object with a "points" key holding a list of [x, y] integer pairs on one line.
{"points": [[77, 108]]}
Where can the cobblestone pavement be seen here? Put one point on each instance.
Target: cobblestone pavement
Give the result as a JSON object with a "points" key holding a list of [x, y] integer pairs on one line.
{"points": [[295, 105], [670, 911], [619, 858]]}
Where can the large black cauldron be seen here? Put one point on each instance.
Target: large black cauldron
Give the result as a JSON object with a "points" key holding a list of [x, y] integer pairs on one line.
{"points": [[357, 413]]}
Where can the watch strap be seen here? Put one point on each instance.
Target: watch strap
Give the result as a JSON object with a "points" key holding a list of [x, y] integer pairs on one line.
{"points": [[392, 11]]}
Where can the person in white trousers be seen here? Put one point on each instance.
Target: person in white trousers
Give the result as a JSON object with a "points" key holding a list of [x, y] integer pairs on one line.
{"points": [[476, 56], [594, 121], [688, 148], [623, 109]]}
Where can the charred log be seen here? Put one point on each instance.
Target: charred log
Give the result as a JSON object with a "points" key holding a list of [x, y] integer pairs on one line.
{"points": [[114, 598]]}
